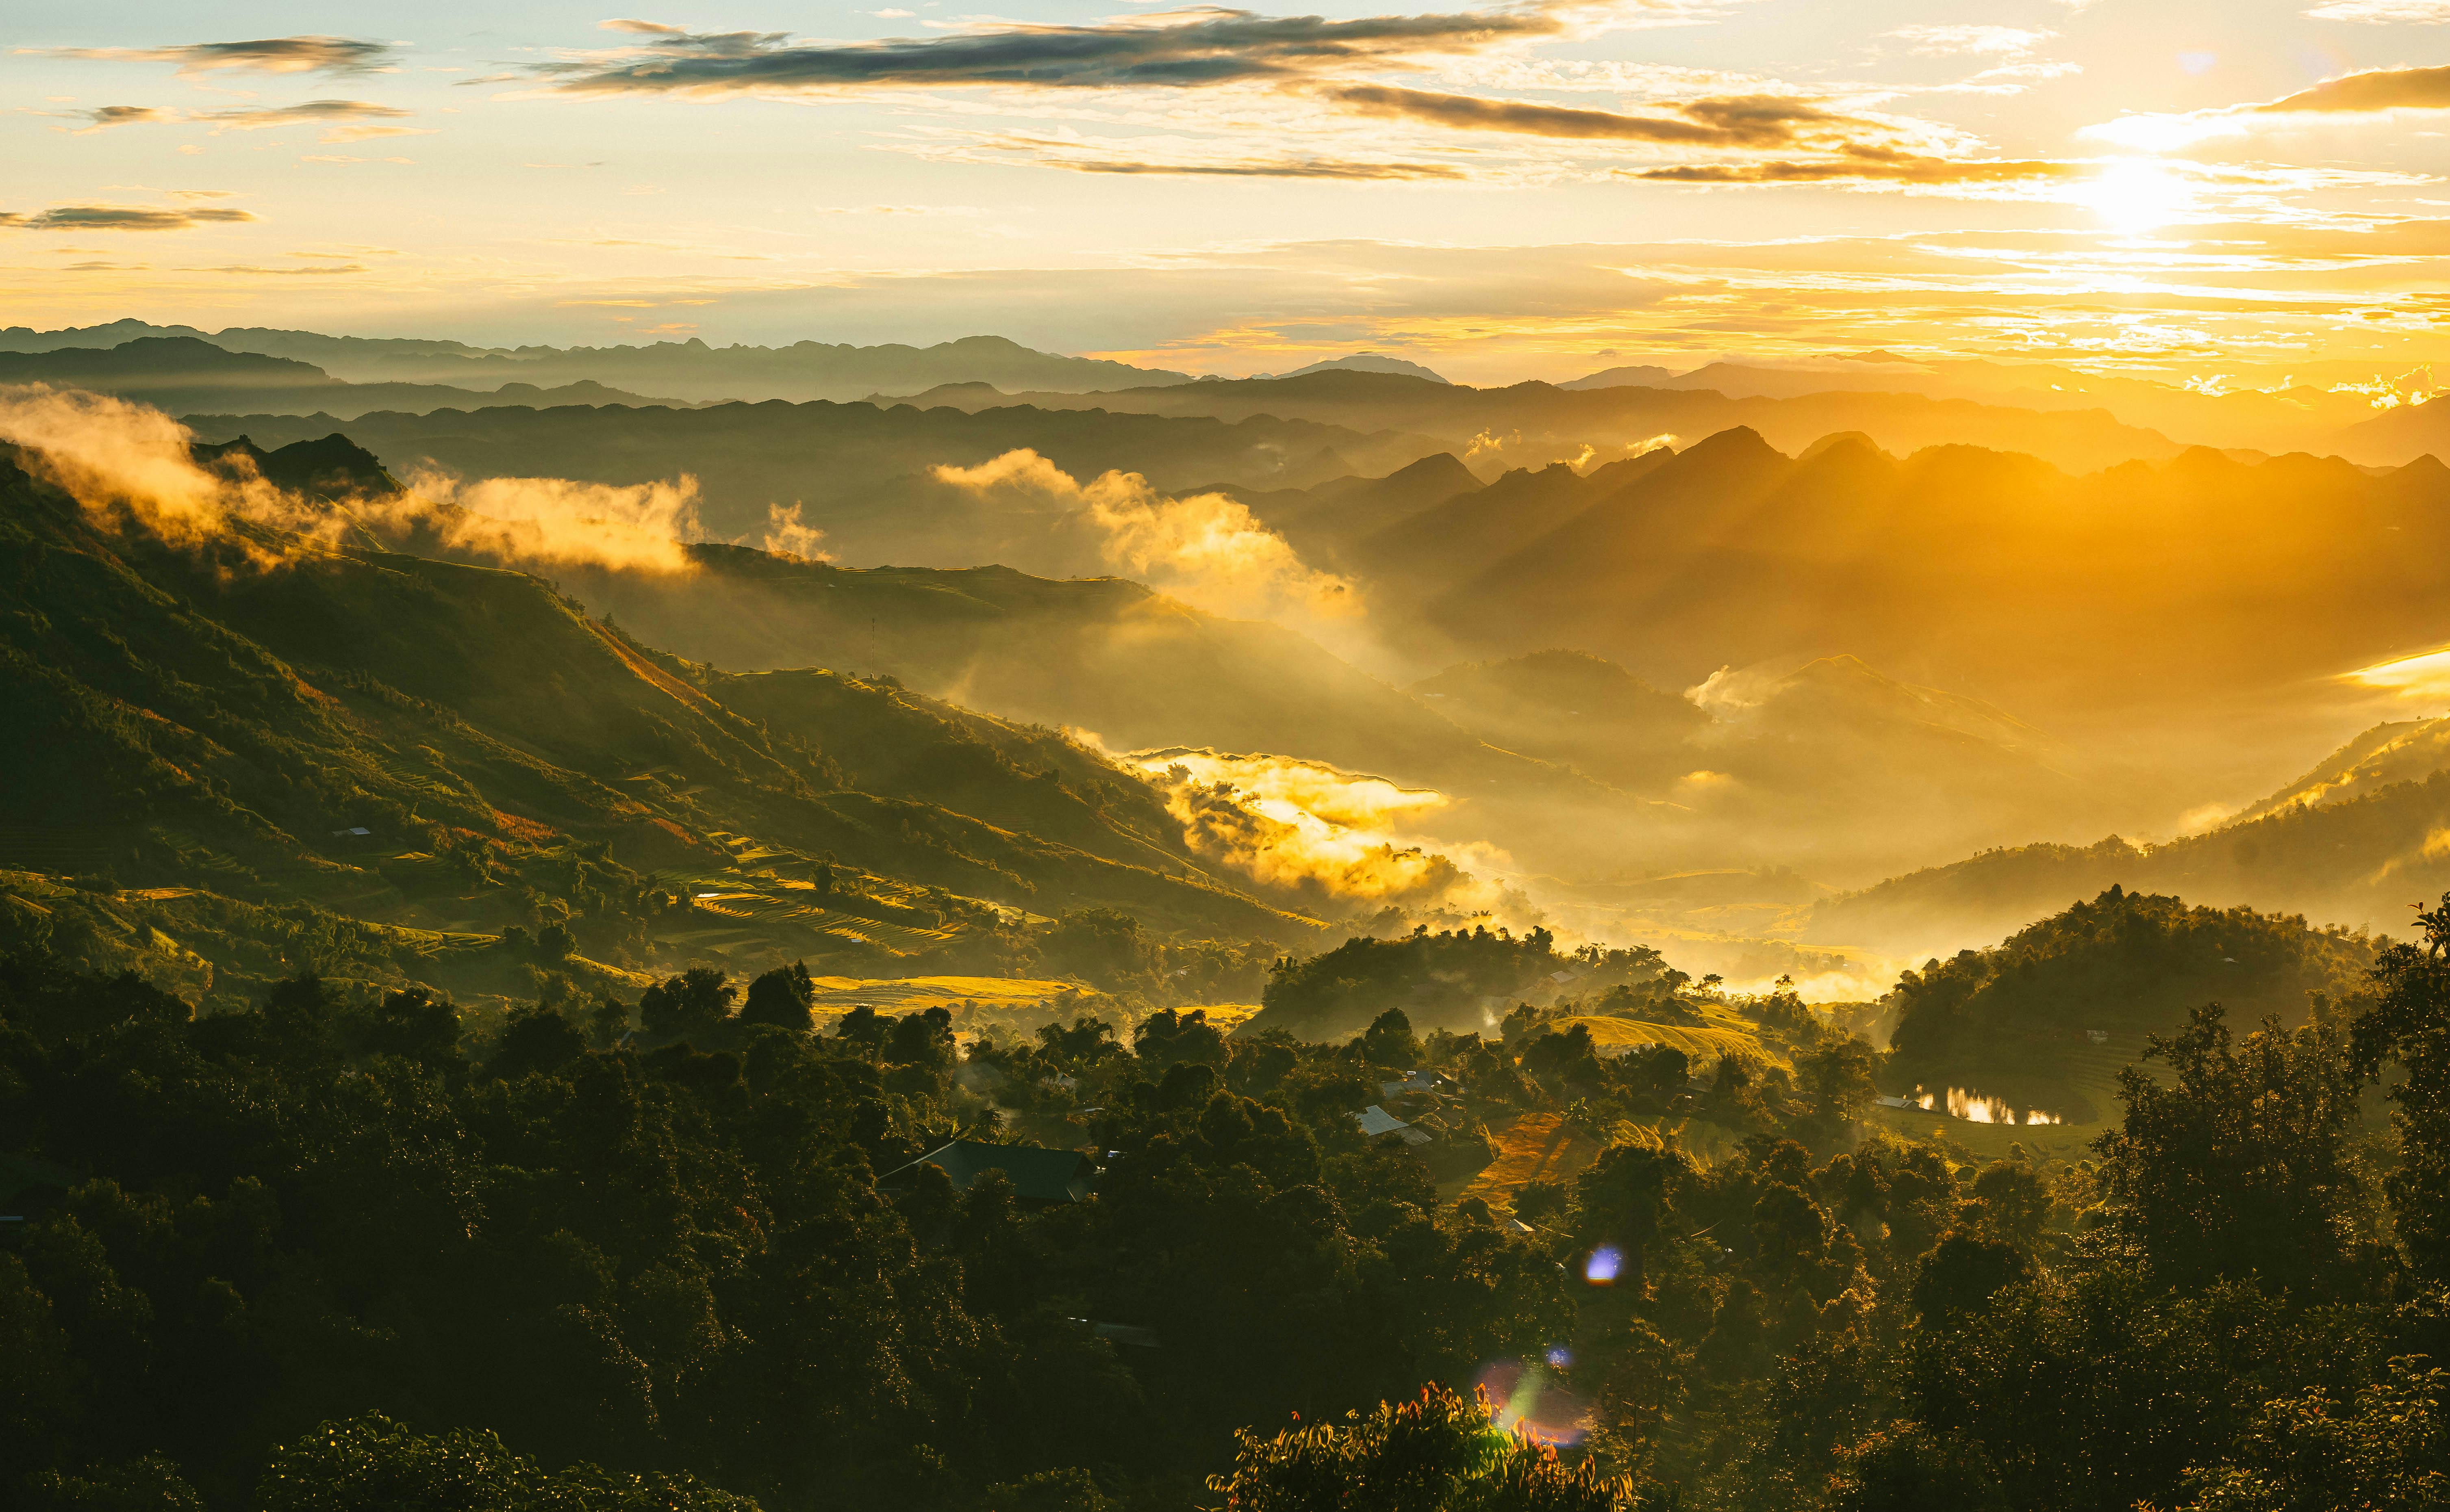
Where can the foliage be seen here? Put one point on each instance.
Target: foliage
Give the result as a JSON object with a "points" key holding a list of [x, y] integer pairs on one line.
{"points": [[2120, 960], [1438, 1452]]}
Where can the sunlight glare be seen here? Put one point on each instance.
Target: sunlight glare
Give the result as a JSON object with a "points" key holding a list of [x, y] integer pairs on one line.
{"points": [[2135, 195], [2424, 676]]}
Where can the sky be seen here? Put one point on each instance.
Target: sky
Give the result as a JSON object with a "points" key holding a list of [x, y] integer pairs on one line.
{"points": [[2197, 191]]}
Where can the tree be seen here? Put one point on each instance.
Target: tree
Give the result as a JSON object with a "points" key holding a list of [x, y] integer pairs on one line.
{"points": [[1906, 1467], [1166, 1036], [694, 1002], [2237, 1168], [1439, 1452], [2409, 1024], [784, 998], [374, 1464], [1389, 1041], [2389, 1451]]}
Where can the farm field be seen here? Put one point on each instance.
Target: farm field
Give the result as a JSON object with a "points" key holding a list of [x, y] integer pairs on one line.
{"points": [[1701, 1044], [1537, 1146], [838, 994]]}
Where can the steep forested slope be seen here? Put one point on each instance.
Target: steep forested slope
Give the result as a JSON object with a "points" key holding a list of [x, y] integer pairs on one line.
{"points": [[442, 747]]}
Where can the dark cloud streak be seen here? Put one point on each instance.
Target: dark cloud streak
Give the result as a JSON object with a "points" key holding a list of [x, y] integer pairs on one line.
{"points": [[1867, 164], [1218, 47], [116, 218], [307, 54], [1750, 121], [313, 110]]}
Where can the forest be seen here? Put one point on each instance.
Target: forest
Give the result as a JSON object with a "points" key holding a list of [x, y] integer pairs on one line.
{"points": [[335, 1249]]}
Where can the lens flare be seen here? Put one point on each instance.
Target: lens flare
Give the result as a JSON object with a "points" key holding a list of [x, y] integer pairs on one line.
{"points": [[1602, 1268], [1529, 1401]]}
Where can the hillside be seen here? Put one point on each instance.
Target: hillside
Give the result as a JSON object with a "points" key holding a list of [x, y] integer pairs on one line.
{"points": [[2396, 751], [2395, 434], [2360, 861], [181, 374], [452, 750], [2119, 965], [2149, 584]]}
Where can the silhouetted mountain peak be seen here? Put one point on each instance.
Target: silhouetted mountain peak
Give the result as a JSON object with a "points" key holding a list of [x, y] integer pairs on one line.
{"points": [[1842, 443], [1361, 362]]}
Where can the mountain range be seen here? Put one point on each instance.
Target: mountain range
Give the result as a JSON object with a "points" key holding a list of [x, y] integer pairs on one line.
{"points": [[690, 370], [182, 374]]}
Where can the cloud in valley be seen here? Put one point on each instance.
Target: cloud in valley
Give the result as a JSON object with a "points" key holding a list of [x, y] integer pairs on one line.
{"points": [[129, 467], [1315, 829], [549, 522], [1206, 550]]}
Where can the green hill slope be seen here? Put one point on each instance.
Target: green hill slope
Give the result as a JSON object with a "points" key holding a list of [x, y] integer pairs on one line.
{"points": [[452, 749], [2118, 965]]}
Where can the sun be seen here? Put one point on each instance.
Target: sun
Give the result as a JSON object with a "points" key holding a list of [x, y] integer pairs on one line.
{"points": [[2135, 195]]}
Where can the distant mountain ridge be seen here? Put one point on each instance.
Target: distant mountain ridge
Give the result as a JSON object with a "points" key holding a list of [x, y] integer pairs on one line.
{"points": [[1533, 423], [861, 473], [183, 374], [690, 370], [1358, 362]]}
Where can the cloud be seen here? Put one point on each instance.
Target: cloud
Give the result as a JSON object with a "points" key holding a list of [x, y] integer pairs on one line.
{"points": [[1200, 45], [309, 54], [2378, 89], [1870, 164], [552, 521], [1752, 121], [2383, 12], [129, 467], [341, 267], [785, 534], [1267, 168], [2374, 93], [2007, 42], [347, 120], [103, 118], [119, 217], [1168, 156], [1206, 550], [1317, 830]]}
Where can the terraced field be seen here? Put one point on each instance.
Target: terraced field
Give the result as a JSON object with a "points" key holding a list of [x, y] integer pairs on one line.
{"points": [[837, 995], [1701, 1044], [1537, 1146]]}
